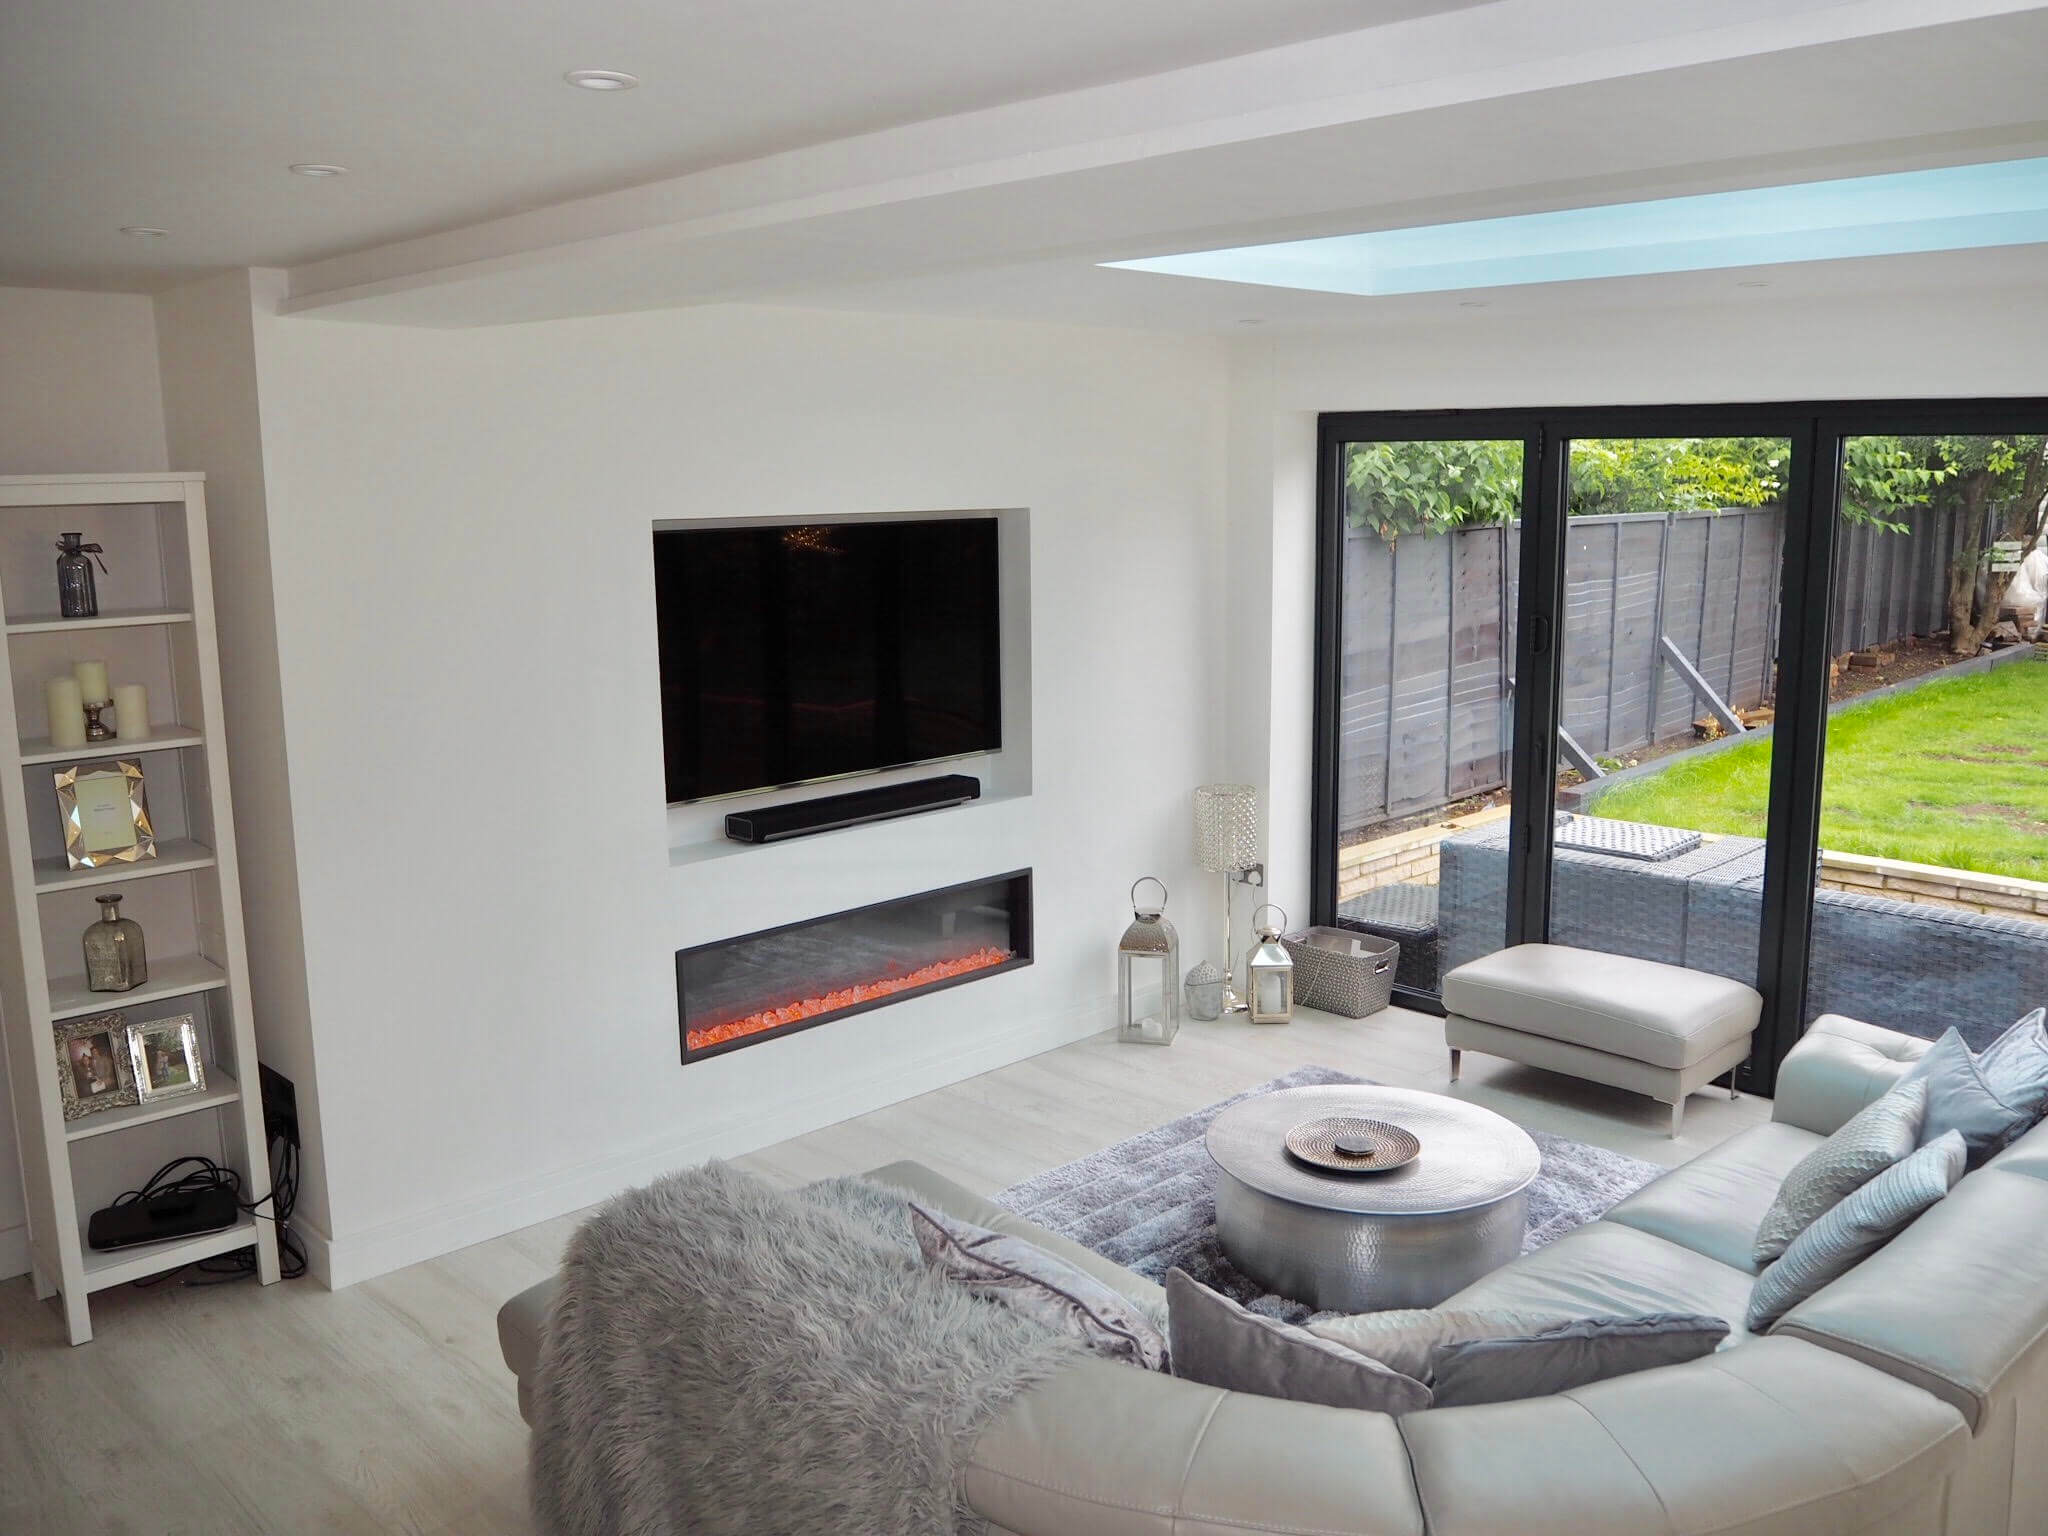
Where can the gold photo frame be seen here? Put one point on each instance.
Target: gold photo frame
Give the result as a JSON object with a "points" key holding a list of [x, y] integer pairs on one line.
{"points": [[93, 1065], [164, 1055], [105, 810]]}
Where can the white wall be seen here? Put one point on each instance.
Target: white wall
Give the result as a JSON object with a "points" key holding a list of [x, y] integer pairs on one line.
{"points": [[212, 419], [459, 538], [1935, 340], [78, 393]]}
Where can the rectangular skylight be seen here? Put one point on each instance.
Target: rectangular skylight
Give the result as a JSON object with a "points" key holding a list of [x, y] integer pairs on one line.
{"points": [[1955, 208]]}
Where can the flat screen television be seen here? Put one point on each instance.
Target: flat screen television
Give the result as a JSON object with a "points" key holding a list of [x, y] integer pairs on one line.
{"points": [[797, 652]]}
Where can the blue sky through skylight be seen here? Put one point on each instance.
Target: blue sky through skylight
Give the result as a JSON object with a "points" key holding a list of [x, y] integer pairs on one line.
{"points": [[1954, 208]]}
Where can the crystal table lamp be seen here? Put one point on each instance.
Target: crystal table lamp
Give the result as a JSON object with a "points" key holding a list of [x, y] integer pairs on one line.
{"points": [[1227, 842]]}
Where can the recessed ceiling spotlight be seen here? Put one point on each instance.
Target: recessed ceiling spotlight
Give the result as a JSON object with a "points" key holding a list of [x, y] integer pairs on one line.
{"points": [[315, 169], [1752, 282], [1473, 303], [1251, 320], [144, 231], [601, 79]]}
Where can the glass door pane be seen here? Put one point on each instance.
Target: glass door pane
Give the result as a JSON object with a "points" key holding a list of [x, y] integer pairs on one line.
{"points": [[1933, 906], [1673, 549], [1426, 620]]}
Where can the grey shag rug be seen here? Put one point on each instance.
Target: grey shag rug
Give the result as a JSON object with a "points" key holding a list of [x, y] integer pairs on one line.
{"points": [[1146, 1202], [724, 1359]]}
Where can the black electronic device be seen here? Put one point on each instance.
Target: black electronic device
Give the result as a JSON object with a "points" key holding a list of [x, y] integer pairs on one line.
{"points": [[800, 818], [792, 653], [161, 1216]]}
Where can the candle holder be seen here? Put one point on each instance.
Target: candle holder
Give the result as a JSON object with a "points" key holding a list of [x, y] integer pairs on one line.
{"points": [[97, 729]]}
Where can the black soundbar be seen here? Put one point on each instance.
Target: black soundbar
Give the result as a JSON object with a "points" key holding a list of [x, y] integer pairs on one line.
{"points": [[775, 823]]}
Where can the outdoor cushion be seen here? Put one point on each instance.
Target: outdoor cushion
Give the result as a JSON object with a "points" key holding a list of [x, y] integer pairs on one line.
{"points": [[1856, 1228], [1876, 1136], [1662, 1015], [1218, 1343]]}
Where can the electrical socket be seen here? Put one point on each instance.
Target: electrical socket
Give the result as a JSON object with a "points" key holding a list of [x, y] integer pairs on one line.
{"points": [[280, 1107]]}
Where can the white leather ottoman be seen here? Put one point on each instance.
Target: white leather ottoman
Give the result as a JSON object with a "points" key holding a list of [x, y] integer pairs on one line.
{"points": [[1661, 1030]]}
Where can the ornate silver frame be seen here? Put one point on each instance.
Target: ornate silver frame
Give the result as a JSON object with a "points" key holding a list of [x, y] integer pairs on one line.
{"points": [[188, 1043], [123, 1095]]}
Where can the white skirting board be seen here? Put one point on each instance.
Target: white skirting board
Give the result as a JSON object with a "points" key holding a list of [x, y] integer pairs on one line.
{"points": [[13, 1251], [337, 1262]]}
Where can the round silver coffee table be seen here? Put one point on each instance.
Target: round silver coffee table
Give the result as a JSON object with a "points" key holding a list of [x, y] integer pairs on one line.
{"points": [[1366, 1242]]}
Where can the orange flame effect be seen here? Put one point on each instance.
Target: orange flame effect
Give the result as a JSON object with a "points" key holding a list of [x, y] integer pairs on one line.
{"points": [[845, 997]]}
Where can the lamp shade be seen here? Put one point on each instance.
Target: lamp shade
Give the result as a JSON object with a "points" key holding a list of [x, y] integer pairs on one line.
{"points": [[1227, 826]]}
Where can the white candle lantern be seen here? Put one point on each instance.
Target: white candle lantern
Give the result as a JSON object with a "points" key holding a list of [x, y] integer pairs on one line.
{"points": [[1269, 973], [1148, 961]]}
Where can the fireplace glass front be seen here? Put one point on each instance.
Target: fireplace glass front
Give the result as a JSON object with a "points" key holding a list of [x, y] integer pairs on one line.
{"points": [[738, 991]]}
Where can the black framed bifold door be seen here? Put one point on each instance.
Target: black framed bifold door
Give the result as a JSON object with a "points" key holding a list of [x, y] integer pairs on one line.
{"points": [[1421, 564], [1580, 673]]}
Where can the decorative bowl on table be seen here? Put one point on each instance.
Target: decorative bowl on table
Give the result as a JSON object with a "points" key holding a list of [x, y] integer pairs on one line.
{"points": [[1349, 1144]]}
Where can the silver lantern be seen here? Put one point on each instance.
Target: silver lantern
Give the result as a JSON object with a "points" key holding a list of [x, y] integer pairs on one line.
{"points": [[1269, 973], [1148, 966]]}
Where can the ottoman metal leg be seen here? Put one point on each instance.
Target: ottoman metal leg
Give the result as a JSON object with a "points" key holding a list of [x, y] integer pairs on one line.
{"points": [[1677, 1118], [1457, 1056]]}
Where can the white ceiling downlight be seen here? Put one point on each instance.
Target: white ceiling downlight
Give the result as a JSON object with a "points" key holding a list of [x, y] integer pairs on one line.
{"points": [[317, 169], [601, 79], [144, 231]]}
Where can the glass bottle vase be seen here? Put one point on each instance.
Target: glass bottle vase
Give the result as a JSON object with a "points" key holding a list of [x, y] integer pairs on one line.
{"points": [[115, 960]]}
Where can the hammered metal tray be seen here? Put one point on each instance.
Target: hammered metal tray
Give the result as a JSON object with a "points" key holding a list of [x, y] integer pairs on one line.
{"points": [[1348, 1144]]}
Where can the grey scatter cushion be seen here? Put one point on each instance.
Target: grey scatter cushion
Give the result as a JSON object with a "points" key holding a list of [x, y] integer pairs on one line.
{"points": [[1870, 1141], [1027, 1279], [1220, 1344], [1567, 1355], [1402, 1339], [1857, 1228], [1958, 1099], [2015, 1065]]}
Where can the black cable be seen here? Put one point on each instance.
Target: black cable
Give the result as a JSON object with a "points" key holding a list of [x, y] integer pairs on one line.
{"points": [[203, 1173]]}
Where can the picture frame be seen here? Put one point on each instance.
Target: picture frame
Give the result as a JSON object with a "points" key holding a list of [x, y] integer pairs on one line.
{"points": [[163, 1055], [105, 810], [94, 1071]]}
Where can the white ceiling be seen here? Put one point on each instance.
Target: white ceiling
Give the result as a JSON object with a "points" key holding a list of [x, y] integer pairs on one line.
{"points": [[953, 156], [183, 114]]}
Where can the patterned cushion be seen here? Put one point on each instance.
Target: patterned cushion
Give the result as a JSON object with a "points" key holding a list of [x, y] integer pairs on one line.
{"points": [[1958, 1099], [2015, 1065], [1568, 1355], [1880, 1134], [1027, 1279], [1857, 1228], [1219, 1344]]}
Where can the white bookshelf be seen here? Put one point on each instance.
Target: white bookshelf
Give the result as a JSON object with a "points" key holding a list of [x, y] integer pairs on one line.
{"points": [[155, 627]]}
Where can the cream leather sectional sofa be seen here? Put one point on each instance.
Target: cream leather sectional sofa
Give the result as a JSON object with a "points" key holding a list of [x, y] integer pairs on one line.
{"points": [[1909, 1398]]}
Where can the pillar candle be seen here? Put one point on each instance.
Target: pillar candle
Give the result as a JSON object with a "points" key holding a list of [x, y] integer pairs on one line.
{"points": [[67, 713], [92, 681], [131, 712]]}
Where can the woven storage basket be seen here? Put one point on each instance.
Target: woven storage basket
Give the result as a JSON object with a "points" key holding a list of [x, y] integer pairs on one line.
{"points": [[1338, 981]]}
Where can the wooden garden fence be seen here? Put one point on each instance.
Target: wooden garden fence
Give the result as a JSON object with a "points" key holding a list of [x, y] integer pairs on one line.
{"points": [[1428, 638]]}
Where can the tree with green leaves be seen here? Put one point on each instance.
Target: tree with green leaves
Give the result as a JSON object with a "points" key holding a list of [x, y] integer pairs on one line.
{"points": [[1997, 487]]}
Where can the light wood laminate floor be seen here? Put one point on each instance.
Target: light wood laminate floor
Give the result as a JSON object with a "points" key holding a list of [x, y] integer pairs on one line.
{"points": [[385, 1408]]}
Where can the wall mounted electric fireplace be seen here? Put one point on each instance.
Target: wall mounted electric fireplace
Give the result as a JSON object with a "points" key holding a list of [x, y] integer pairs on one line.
{"points": [[738, 991]]}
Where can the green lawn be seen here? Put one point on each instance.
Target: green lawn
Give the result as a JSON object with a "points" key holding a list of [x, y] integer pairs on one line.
{"points": [[1953, 773]]}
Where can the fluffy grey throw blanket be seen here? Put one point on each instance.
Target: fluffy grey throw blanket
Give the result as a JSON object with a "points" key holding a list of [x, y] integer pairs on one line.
{"points": [[723, 1357]]}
